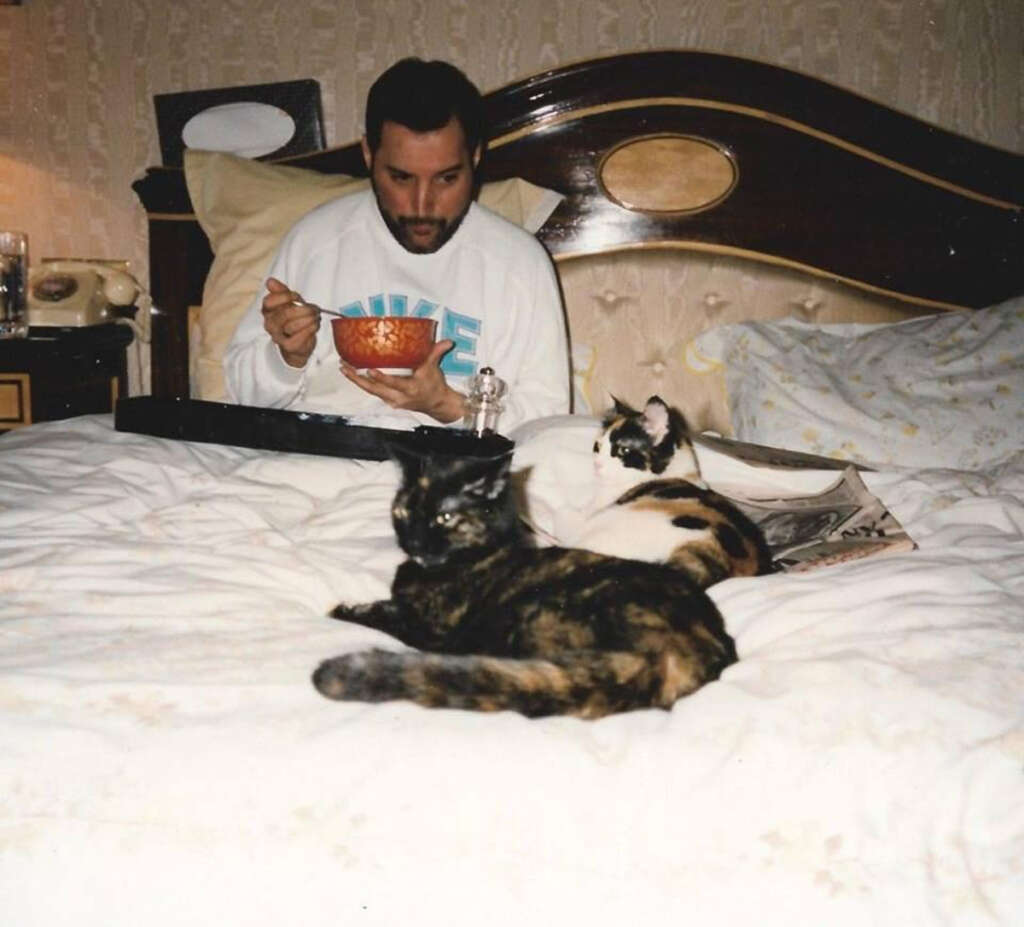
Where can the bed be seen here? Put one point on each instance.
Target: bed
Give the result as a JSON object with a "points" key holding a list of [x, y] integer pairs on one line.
{"points": [[788, 263]]}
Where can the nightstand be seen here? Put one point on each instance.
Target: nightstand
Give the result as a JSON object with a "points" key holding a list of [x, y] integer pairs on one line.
{"points": [[62, 372]]}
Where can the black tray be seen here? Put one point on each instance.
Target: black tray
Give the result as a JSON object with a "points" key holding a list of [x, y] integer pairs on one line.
{"points": [[297, 432]]}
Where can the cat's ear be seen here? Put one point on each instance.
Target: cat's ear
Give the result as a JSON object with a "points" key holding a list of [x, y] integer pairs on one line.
{"points": [[661, 421], [410, 461], [618, 409], [487, 477], [656, 419]]}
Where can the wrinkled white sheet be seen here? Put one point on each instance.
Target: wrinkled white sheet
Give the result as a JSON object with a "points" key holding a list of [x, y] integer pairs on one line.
{"points": [[164, 759]]}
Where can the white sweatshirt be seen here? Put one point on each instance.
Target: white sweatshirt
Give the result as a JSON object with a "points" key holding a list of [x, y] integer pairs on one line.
{"points": [[491, 287]]}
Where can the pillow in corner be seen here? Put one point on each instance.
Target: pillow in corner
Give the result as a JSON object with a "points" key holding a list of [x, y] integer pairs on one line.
{"points": [[943, 390], [246, 207]]}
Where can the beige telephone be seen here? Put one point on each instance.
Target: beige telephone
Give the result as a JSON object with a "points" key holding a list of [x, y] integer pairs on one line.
{"points": [[78, 293]]}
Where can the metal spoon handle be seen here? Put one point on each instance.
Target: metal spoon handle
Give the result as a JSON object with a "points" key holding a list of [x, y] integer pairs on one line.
{"points": [[302, 302]]}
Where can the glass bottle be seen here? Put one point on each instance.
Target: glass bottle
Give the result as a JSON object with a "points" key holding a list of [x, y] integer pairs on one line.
{"points": [[485, 402]]}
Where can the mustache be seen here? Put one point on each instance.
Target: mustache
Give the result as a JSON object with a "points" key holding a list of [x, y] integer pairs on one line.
{"points": [[406, 221]]}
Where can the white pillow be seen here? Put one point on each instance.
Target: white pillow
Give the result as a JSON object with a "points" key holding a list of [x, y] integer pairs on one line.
{"points": [[944, 390]]}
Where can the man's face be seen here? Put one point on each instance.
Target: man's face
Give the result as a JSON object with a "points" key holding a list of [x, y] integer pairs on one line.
{"points": [[423, 182]]}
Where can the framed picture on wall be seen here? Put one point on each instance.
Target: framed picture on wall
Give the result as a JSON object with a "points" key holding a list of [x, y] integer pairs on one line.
{"points": [[257, 121]]}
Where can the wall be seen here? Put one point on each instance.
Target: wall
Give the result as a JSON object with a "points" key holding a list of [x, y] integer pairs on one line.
{"points": [[77, 76]]}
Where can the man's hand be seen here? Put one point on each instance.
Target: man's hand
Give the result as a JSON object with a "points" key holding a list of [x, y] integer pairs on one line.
{"points": [[291, 323], [425, 390]]}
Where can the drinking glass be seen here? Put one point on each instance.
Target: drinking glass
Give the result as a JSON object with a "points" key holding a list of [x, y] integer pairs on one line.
{"points": [[13, 283]]}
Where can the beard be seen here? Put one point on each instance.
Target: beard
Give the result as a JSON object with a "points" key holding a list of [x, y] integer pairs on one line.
{"points": [[403, 227]]}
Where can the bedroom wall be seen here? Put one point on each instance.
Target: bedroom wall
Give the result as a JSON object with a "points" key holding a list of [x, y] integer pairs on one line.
{"points": [[77, 76]]}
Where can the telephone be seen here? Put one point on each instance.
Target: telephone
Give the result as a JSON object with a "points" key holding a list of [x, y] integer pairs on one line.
{"points": [[78, 292]]}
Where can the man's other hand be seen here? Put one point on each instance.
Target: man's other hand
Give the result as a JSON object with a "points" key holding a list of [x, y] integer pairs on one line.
{"points": [[424, 390]]}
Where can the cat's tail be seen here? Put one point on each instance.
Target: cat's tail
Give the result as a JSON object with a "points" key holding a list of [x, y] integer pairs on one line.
{"points": [[588, 684]]}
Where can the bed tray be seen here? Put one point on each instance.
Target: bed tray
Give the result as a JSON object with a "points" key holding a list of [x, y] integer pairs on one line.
{"points": [[298, 432]]}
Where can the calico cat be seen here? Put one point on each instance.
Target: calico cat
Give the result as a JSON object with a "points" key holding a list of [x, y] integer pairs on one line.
{"points": [[505, 625], [674, 519]]}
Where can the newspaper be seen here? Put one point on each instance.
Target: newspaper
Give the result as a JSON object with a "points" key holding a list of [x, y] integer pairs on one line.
{"points": [[843, 522]]}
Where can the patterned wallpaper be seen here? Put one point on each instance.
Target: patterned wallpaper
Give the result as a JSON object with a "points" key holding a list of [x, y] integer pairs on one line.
{"points": [[77, 76]]}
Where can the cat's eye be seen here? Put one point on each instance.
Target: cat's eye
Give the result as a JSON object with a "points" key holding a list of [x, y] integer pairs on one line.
{"points": [[633, 459], [443, 518], [399, 511]]}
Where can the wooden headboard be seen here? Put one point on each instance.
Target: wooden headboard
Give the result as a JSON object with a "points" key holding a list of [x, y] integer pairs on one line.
{"points": [[699, 152]]}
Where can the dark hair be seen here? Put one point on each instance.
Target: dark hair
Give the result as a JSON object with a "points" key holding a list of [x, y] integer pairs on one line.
{"points": [[422, 96]]}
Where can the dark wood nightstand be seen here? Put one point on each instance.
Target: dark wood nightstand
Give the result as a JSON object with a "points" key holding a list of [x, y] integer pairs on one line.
{"points": [[62, 372]]}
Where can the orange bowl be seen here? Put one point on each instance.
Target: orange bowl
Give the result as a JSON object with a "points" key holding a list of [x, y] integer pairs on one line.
{"points": [[384, 341]]}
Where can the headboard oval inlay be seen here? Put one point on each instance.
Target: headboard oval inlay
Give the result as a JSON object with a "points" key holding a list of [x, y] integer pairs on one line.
{"points": [[668, 173]]}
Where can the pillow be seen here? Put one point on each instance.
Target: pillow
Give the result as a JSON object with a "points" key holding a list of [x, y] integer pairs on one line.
{"points": [[943, 390], [246, 207], [553, 462]]}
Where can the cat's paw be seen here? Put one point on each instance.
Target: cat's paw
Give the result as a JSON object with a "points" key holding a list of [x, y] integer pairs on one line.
{"points": [[342, 612], [360, 614]]}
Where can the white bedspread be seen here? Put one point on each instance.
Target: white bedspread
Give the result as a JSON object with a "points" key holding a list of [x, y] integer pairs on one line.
{"points": [[164, 759]]}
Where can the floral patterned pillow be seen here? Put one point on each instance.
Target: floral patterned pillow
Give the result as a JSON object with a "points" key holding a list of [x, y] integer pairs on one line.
{"points": [[945, 390]]}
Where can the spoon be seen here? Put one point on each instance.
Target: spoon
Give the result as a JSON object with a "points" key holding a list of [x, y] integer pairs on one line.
{"points": [[302, 302]]}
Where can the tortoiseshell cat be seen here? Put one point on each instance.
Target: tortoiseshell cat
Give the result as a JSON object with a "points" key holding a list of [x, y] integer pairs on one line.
{"points": [[670, 519], [506, 625]]}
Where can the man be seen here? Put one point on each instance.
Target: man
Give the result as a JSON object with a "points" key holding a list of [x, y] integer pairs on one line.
{"points": [[418, 245]]}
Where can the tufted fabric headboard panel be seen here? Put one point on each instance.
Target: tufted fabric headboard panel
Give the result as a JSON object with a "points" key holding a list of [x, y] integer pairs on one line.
{"points": [[633, 314]]}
